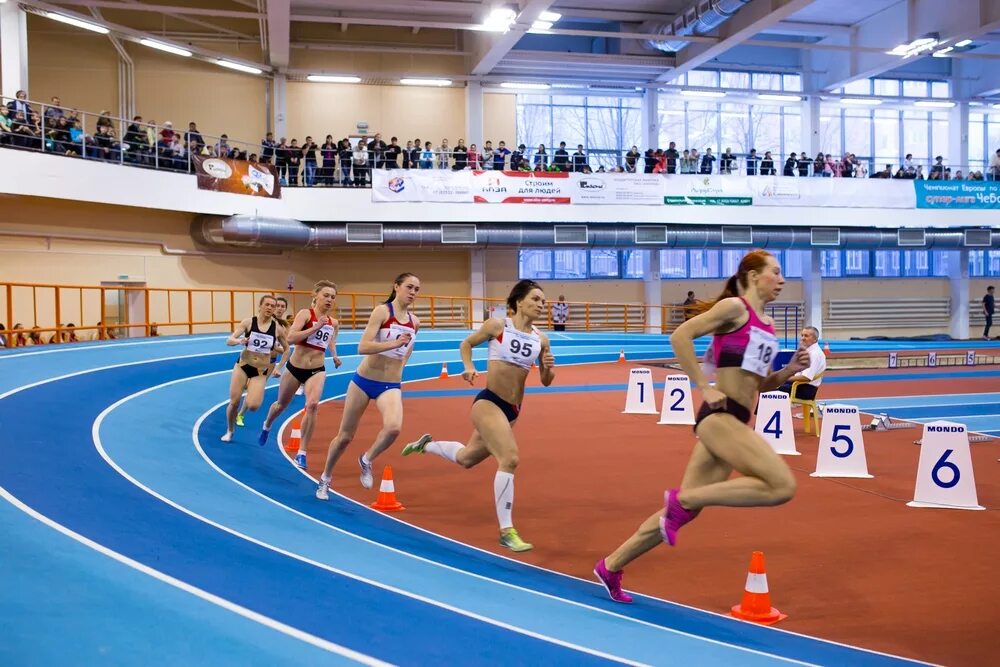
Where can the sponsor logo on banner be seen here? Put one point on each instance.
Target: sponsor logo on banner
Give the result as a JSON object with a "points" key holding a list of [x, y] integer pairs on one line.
{"points": [[957, 194], [707, 191], [397, 184], [516, 187], [236, 176]]}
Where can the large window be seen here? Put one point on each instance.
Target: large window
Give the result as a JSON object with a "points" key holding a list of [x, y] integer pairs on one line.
{"points": [[606, 126]]}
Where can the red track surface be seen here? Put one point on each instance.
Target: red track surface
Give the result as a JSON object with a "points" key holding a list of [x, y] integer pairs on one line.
{"points": [[847, 560]]}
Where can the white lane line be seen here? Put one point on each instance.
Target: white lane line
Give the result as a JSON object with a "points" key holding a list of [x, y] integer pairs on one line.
{"points": [[193, 590], [95, 431]]}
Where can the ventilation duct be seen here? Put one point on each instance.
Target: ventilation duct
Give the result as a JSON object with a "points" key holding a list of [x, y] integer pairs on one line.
{"points": [[458, 234], [277, 233], [978, 238], [699, 19], [912, 237], [829, 236]]}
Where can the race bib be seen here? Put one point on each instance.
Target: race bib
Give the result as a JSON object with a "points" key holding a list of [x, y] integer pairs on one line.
{"points": [[393, 332], [759, 355], [260, 342], [320, 338]]}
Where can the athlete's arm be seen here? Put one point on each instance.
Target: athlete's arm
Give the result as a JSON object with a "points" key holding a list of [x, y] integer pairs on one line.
{"points": [[799, 361], [368, 344], [490, 329], [416, 328], [239, 337], [332, 344], [297, 334], [546, 362], [720, 316]]}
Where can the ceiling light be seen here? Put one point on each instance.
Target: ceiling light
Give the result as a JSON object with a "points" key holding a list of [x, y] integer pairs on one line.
{"points": [[940, 104], [177, 51], [239, 67], [324, 78], [703, 93], [69, 20], [996, 106], [525, 86], [541, 26], [964, 42], [861, 101], [500, 19], [551, 17], [780, 98], [943, 52], [425, 82]]}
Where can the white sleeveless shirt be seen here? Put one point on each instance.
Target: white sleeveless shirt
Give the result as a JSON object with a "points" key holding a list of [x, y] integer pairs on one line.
{"points": [[391, 330], [516, 347]]}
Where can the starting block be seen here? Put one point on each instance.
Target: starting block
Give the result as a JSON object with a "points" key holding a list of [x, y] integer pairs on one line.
{"points": [[881, 422]]}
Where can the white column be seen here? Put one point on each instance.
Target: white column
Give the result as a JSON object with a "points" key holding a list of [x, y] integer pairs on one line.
{"points": [[958, 280], [652, 286], [13, 49], [812, 292], [474, 113], [650, 118], [279, 105], [958, 138], [477, 285], [810, 127]]}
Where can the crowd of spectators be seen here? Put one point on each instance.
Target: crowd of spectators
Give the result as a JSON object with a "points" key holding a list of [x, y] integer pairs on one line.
{"points": [[351, 161], [20, 336]]}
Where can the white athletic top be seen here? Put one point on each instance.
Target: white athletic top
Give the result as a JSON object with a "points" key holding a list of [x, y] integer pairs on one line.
{"points": [[391, 330], [516, 347]]}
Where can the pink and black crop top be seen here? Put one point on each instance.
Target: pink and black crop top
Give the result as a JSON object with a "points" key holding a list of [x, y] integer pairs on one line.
{"points": [[752, 347]]}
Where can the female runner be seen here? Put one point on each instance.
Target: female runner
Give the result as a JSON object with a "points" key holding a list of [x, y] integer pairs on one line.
{"points": [[280, 307], [514, 345]]}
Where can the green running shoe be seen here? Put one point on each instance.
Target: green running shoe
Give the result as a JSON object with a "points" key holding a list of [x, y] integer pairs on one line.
{"points": [[417, 446], [510, 539]]}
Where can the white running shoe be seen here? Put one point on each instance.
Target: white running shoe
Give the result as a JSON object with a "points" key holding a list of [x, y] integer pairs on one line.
{"points": [[322, 491], [366, 472], [228, 437]]}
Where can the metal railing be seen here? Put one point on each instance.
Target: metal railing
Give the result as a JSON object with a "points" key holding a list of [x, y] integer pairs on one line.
{"points": [[143, 143], [118, 311]]}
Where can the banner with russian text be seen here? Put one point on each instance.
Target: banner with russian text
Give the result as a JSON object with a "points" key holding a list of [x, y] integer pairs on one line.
{"points": [[957, 194], [421, 185], [236, 176]]}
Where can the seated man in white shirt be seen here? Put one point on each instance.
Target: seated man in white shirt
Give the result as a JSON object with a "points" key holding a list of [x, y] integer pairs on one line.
{"points": [[817, 364]]}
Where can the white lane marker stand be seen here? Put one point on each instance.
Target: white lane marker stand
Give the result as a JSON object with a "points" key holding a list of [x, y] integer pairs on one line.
{"points": [[774, 422], [640, 399], [944, 474], [841, 444], [678, 407]]}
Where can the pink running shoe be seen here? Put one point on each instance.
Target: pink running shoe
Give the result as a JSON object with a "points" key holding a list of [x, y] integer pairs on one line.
{"points": [[674, 517], [612, 581]]}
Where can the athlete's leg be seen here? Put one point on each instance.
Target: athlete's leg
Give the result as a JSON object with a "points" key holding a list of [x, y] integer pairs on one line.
{"points": [[237, 382]]}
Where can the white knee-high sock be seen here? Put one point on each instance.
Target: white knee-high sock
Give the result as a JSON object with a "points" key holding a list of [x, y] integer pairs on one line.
{"points": [[446, 449], [503, 494]]}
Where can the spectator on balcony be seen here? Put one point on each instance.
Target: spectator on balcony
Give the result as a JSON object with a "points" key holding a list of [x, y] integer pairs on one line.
{"points": [[53, 112], [920, 173], [58, 137], [392, 153], [267, 148], [407, 153], [360, 162], [415, 154], [707, 162], [327, 173], [908, 166], [885, 173], [294, 153], [790, 165], [994, 171], [688, 164], [560, 160], [753, 163], [660, 166], [3, 328], [25, 133], [20, 105], [938, 168], [19, 339], [444, 153], [281, 160], [804, 164], [649, 161], [104, 145], [473, 157], [35, 337], [632, 159], [767, 165], [672, 156], [727, 163], [376, 152], [541, 158], [309, 156], [500, 156], [460, 155], [153, 331], [579, 159], [346, 156], [136, 142], [6, 125], [223, 149], [166, 134], [486, 157], [690, 303], [427, 156], [518, 159], [989, 307]]}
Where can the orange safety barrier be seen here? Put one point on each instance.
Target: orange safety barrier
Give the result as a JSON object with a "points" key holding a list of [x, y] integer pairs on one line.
{"points": [[102, 312]]}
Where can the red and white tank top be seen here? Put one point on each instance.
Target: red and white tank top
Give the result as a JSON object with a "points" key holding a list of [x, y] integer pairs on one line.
{"points": [[391, 330], [319, 339], [516, 347], [752, 347]]}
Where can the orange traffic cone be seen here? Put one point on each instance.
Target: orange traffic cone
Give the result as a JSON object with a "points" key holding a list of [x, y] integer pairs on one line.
{"points": [[387, 494], [621, 357], [826, 348], [295, 438], [756, 603], [444, 372]]}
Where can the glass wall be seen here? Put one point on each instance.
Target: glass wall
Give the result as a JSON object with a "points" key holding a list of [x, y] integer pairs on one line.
{"points": [[631, 264]]}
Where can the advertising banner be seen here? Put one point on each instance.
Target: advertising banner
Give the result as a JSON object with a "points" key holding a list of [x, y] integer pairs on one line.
{"points": [[236, 176], [416, 185], [957, 194]]}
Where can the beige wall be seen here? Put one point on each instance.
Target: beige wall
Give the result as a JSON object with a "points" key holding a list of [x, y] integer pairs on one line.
{"points": [[500, 118]]}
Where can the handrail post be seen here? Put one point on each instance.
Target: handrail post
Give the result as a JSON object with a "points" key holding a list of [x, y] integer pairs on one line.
{"points": [[586, 320], [58, 308], [232, 309], [432, 312], [102, 332], [145, 291], [10, 307], [190, 314]]}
